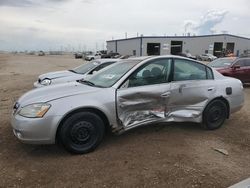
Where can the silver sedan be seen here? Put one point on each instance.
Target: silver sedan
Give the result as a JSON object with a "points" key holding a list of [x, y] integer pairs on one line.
{"points": [[123, 96], [74, 74]]}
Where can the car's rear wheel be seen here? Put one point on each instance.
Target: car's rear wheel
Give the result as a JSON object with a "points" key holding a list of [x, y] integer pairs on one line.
{"points": [[215, 114], [82, 132]]}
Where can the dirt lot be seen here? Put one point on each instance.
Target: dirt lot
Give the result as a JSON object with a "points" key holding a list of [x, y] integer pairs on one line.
{"points": [[165, 155]]}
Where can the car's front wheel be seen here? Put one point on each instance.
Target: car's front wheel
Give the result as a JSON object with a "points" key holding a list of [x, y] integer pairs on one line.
{"points": [[82, 132], [215, 114]]}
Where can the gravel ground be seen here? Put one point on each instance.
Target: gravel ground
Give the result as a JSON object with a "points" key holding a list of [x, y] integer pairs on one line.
{"points": [[162, 155]]}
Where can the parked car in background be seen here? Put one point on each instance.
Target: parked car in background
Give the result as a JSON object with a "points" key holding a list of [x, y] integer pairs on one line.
{"points": [[78, 55], [188, 55], [234, 67], [206, 57], [41, 53], [92, 57], [125, 95], [77, 73], [125, 56], [110, 55]]}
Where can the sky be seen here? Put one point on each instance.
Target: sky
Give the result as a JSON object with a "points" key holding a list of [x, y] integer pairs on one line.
{"points": [[77, 25]]}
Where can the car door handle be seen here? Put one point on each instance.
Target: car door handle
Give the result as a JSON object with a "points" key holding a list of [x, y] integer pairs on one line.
{"points": [[210, 89], [167, 94]]}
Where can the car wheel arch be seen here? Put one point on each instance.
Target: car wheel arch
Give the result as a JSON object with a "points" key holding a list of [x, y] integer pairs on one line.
{"points": [[222, 99], [96, 111]]}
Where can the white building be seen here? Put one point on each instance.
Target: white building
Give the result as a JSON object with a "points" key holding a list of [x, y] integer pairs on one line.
{"points": [[196, 45]]}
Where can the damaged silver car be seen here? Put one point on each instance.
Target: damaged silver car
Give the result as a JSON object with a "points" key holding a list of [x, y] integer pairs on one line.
{"points": [[80, 72], [123, 96]]}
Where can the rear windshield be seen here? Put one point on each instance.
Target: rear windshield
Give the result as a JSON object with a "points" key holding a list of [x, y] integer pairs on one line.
{"points": [[222, 62], [86, 67]]}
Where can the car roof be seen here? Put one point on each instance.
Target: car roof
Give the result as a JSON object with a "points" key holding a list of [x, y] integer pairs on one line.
{"points": [[142, 58], [159, 56], [139, 58], [101, 61], [244, 58], [233, 58]]}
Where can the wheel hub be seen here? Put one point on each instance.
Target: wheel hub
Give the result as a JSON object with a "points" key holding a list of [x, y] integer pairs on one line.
{"points": [[81, 132], [215, 114]]}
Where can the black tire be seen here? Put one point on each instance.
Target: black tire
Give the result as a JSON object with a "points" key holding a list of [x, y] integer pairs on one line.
{"points": [[82, 132], [215, 114]]}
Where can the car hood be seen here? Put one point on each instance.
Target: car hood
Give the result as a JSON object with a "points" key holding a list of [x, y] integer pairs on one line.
{"points": [[50, 93], [57, 74]]}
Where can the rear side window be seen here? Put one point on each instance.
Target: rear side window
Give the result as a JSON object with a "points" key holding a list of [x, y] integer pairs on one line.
{"points": [[209, 74], [189, 70]]}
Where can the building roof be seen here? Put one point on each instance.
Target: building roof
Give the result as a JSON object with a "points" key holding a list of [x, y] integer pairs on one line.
{"points": [[197, 36]]}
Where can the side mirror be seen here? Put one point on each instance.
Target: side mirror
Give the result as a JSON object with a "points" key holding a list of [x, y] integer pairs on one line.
{"points": [[236, 67]]}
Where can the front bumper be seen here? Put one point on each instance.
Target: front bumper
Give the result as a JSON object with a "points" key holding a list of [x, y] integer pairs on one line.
{"points": [[35, 130]]}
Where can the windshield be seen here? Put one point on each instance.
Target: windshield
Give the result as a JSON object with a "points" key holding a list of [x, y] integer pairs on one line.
{"points": [[222, 62], [110, 75], [85, 67]]}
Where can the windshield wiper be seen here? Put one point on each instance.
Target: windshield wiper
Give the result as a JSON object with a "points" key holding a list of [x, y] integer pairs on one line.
{"points": [[86, 82]]}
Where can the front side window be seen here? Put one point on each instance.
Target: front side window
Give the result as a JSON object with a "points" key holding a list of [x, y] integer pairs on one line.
{"points": [[155, 72], [188, 70]]}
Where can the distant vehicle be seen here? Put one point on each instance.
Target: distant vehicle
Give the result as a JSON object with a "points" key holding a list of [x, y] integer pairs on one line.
{"points": [[110, 55], [41, 53], [31, 53], [206, 57], [234, 67], [77, 73], [78, 55], [188, 55], [102, 51], [123, 96], [92, 57]]}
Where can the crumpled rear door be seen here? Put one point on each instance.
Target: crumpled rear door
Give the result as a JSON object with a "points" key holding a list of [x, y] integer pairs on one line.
{"points": [[189, 98]]}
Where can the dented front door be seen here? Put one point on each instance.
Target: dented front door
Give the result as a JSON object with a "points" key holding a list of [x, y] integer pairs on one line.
{"points": [[143, 98], [141, 105]]}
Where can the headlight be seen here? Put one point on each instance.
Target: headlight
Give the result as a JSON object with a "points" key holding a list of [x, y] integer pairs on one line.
{"points": [[46, 82], [34, 110]]}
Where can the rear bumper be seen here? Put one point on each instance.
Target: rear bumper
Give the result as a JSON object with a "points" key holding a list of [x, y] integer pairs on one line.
{"points": [[236, 103]]}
